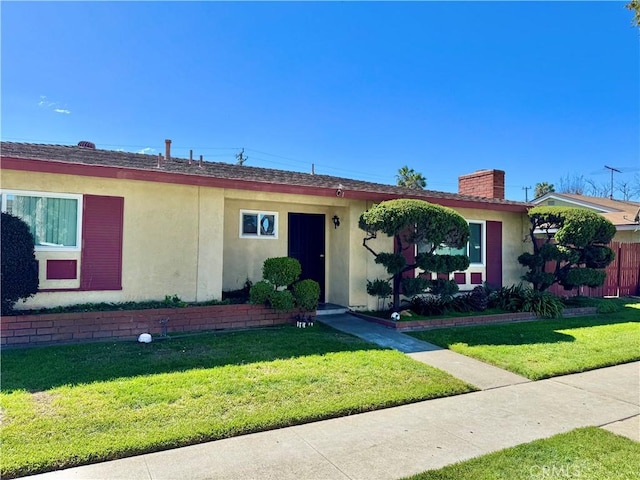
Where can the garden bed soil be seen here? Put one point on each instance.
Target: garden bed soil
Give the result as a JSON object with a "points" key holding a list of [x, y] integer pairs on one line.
{"points": [[426, 324]]}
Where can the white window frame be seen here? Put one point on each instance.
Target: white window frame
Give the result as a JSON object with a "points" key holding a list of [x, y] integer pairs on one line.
{"points": [[483, 224], [258, 235], [32, 193]]}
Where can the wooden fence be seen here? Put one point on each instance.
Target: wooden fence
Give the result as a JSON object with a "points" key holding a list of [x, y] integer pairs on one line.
{"points": [[623, 275]]}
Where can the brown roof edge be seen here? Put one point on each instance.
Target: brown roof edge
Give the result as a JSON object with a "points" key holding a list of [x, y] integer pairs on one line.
{"points": [[109, 164]]}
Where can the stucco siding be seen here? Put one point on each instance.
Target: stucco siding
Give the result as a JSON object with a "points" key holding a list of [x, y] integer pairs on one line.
{"points": [[185, 240], [243, 257], [160, 239]]}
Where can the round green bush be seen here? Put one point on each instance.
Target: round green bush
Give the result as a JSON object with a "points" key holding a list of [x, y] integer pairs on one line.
{"points": [[608, 307], [260, 292], [307, 294], [282, 300], [19, 267], [281, 271]]}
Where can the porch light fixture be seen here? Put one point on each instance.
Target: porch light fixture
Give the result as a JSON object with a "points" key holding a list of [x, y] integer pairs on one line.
{"points": [[336, 221]]}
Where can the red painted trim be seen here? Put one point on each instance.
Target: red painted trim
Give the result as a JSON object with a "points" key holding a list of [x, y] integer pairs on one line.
{"points": [[494, 253], [62, 269], [460, 278], [102, 233], [101, 171], [476, 278]]}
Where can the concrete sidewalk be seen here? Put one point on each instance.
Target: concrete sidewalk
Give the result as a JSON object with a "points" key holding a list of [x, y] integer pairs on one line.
{"points": [[401, 441], [475, 372]]}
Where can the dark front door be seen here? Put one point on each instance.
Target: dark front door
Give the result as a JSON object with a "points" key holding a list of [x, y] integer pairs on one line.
{"points": [[306, 244]]}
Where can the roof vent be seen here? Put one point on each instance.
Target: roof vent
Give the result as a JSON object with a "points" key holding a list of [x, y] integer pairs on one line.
{"points": [[86, 144]]}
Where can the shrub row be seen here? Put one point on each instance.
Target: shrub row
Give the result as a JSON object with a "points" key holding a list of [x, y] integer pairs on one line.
{"points": [[517, 298]]}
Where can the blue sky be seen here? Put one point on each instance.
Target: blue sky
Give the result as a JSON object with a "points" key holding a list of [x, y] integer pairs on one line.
{"points": [[541, 90]]}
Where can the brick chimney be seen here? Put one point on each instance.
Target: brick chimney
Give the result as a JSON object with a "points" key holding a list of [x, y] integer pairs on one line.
{"points": [[167, 149], [482, 183]]}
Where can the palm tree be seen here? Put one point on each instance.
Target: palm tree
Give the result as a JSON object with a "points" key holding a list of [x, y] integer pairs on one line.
{"points": [[409, 178], [542, 188]]}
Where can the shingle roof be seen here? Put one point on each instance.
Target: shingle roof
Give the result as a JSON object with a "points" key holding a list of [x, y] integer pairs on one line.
{"points": [[136, 161], [619, 212]]}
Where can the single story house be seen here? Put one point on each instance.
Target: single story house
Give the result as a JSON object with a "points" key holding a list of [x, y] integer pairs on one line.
{"points": [[625, 215], [113, 226], [623, 274]]}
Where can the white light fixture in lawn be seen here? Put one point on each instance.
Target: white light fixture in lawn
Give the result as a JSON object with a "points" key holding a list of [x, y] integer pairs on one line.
{"points": [[145, 338]]}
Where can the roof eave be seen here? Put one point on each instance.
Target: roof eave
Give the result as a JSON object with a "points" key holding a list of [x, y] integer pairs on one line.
{"points": [[159, 175]]}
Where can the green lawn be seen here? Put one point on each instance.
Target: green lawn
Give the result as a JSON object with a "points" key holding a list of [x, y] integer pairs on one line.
{"points": [[546, 348], [590, 453], [64, 406]]}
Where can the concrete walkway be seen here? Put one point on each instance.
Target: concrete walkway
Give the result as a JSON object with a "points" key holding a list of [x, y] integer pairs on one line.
{"points": [[475, 372], [402, 441]]}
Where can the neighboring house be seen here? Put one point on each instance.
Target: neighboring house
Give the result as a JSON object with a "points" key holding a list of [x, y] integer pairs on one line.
{"points": [[623, 274], [116, 226], [624, 215]]}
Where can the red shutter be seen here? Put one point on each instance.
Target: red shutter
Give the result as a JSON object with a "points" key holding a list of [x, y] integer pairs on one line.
{"points": [[101, 266], [494, 254]]}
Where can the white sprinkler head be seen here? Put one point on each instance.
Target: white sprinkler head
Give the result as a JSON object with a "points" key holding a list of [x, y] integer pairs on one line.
{"points": [[395, 316], [145, 338]]}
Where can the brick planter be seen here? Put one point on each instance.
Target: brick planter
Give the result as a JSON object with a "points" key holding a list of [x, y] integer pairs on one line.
{"points": [[409, 325], [28, 330]]}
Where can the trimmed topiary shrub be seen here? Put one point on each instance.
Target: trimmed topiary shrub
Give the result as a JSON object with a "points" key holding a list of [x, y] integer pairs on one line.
{"points": [[260, 292], [569, 248], [444, 288], [307, 294], [414, 223], [282, 300], [281, 271], [413, 286], [19, 267]]}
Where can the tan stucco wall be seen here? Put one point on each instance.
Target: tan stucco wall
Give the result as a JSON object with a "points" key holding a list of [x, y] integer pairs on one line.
{"points": [[243, 257], [362, 263], [167, 228], [185, 240]]}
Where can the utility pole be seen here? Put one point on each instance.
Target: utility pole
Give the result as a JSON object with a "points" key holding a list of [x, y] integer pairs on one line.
{"points": [[240, 159], [526, 193], [612, 170]]}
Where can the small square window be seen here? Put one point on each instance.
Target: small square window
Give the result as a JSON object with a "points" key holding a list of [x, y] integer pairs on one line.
{"points": [[258, 224]]}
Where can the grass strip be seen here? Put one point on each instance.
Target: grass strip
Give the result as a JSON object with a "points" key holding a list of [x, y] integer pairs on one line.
{"points": [[66, 406], [547, 348], [589, 452]]}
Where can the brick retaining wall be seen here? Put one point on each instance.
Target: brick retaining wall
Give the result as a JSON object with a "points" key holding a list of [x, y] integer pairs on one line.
{"points": [[27, 330], [409, 325]]}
